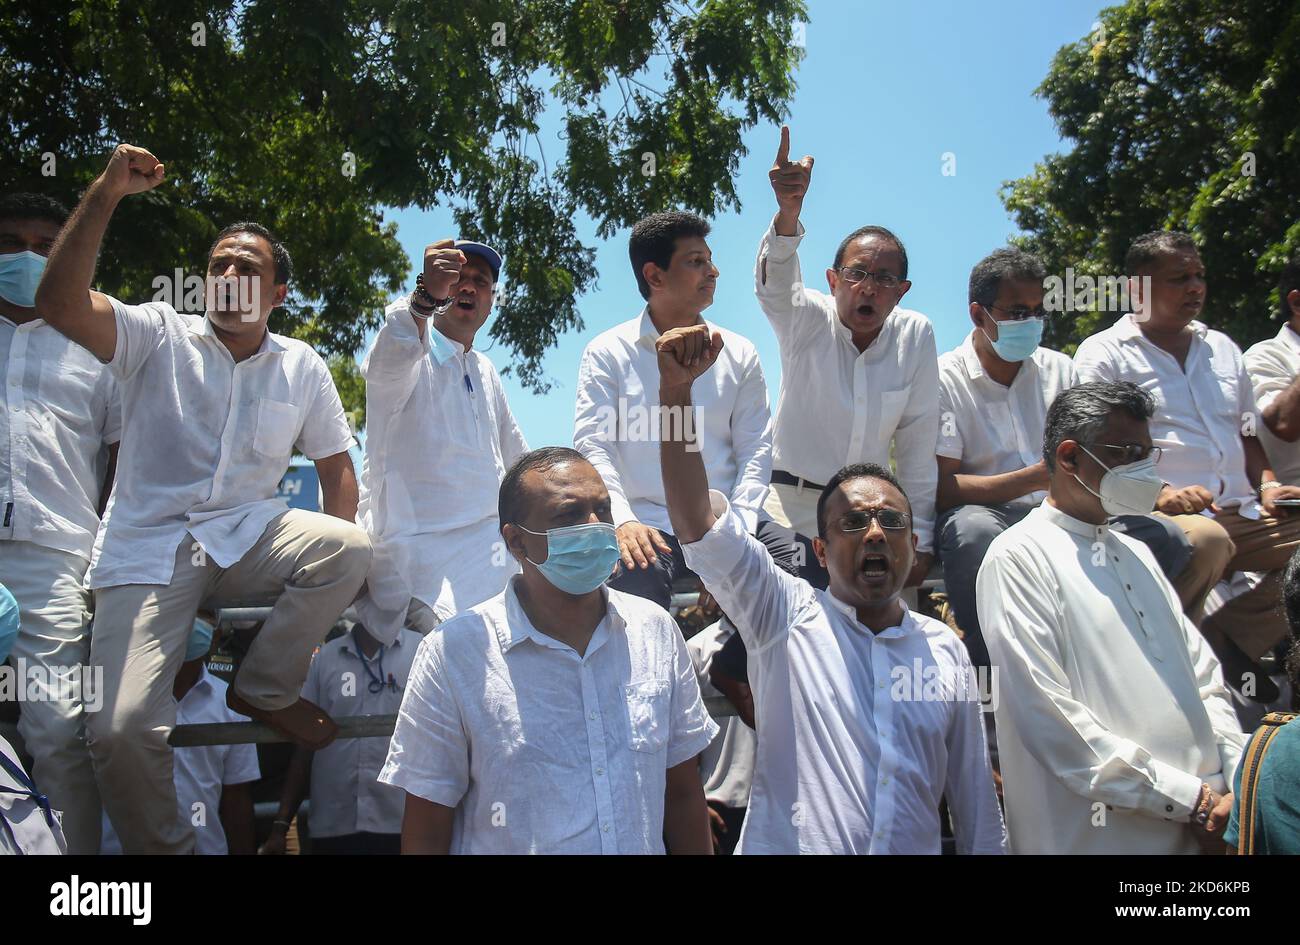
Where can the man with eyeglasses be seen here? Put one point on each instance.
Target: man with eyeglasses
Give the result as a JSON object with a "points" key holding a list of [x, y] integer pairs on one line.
{"points": [[867, 713], [858, 374], [994, 392], [441, 437], [1115, 732], [1219, 478]]}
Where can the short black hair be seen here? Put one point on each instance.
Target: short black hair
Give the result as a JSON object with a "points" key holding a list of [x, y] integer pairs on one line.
{"points": [[654, 238], [1288, 282], [511, 500], [1081, 413], [880, 231], [283, 262], [27, 206], [849, 473], [1008, 263], [1149, 247]]}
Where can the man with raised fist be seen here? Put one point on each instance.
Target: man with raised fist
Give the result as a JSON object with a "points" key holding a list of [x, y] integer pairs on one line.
{"points": [[867, 712], [213, 408], [441, 437], [858, 374]]}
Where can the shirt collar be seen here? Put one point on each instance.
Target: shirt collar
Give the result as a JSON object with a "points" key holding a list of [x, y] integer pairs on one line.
{"points": [[201, 685], [1128, 329], [441, 347], [1070, 523], [513, 626], [907, 624], [203, 326], [879, 343], [1289, 338]]}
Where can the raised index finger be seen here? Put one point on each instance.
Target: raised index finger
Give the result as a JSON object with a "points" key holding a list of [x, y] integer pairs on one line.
{"points": [[783, 151]]}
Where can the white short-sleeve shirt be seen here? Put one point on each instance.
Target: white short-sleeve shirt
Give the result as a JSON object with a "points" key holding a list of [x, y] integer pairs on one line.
{"points": [[541, 750], [59, 411], [1273, 364], [205, 441]]}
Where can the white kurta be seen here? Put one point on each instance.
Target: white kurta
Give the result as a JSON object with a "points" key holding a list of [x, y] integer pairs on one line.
{"points": [[1110, 708]]}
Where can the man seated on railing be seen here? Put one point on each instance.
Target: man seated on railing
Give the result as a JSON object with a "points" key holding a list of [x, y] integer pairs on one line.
{"points": [[213, 408], [561, 716], [994, 392]]}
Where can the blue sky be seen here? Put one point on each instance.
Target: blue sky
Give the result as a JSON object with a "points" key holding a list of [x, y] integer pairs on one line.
{"points": [[877, 112]]}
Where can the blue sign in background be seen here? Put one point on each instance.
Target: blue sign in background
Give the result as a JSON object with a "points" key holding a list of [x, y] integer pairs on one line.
{"points": [[300, 487]]}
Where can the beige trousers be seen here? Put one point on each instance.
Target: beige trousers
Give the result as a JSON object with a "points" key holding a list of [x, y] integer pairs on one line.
{"points": [[312, 564]]}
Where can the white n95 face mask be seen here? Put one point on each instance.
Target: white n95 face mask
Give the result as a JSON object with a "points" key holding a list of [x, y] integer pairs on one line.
{"points": [[1130, 489]]}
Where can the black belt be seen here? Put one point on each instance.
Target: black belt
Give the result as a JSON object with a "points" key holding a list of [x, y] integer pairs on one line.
{"points": [[782, 478]]}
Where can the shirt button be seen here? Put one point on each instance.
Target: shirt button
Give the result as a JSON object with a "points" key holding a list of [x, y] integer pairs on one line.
{"points": [[605, 827], [884, 780], [881, 684], [592, 716], [600, 772], [1128, 587]]}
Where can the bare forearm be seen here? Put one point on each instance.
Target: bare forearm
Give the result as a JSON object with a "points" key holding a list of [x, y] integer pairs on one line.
{"points": [[1258, 468], [686, 484], [426, 827], [63, 296], [339, 491], [1282, 415], [237, 819], [964, 489], [686, 822], [295, 783]]}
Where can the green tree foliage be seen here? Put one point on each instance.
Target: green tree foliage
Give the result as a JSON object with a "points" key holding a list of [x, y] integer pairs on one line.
{"points": [[311, 116], [1184, 114]]}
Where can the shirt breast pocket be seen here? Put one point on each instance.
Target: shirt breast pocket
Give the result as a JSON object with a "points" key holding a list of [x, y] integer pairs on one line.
{"points": [[277, 428], [647, 711], [892, 405]]}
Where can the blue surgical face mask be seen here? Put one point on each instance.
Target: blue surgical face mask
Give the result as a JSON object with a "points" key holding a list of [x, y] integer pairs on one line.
{"points": [[20, 274], [1016, 341], [579, 558]]}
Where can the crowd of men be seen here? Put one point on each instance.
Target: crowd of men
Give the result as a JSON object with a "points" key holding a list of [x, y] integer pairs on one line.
{"points": [[1113, 530]]}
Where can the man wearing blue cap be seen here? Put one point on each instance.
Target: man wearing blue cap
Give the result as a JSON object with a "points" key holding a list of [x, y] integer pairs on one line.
{"points": [[441, 437]]}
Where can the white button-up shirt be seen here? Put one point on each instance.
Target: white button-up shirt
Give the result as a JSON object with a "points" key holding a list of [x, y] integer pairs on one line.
{"points": [[440, 437], [201, 771], [1110, 707], [346, 797], [840, 406], [1272, 365], [60, 412], [205, 441], [617, 423], [541, 750], [994, 429], [859, 734], [1201, 410]]}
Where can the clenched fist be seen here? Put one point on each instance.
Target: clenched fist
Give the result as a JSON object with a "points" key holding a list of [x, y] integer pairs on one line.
{"points": [[131, 170], [685, 354], [442, 265]]}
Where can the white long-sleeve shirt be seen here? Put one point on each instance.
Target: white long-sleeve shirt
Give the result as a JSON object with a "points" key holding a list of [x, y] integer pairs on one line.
{"points": [[839, 405], [440, 439], [617, 422], [1110, 707], [859, 733]]}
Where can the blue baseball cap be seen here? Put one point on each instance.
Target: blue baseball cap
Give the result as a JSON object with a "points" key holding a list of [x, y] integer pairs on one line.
{"points": [[483, 251]]}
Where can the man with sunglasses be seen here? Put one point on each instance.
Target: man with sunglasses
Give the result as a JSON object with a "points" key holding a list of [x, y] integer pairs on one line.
{"points": [[1219, 476], [441, 436], [1115, 732], [994, 392], [867, 713], [859, 375]]}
